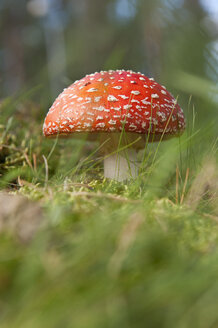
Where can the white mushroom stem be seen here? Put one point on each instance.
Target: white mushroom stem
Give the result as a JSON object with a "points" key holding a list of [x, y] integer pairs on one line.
{"points": [[121, 165]]}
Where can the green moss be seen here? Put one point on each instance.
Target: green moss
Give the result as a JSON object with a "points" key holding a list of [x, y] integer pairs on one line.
{"points": [[108, 254]]}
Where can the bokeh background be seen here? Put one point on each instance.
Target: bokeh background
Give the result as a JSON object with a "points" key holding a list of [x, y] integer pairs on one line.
{"points": [[47, 44]]}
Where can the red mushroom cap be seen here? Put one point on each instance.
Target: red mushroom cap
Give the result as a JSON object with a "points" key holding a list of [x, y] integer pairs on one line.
{"points": [[112, 100]]}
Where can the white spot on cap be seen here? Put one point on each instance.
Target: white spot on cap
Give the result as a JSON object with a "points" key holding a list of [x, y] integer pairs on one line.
{"points": [[100, 125], [112, 122], [97, 99], [92, 90], [100, 108], [99, 118], [133, 126], [112, 98], [141, 78], [155, 121], [88, 102], [73, 96], [163, 92], [136, 101], [127, 106], [144, 101], [162, 115], [135, 92], [116, 108], [154, 95], [118, 87], [169, 101], [123, 97]]}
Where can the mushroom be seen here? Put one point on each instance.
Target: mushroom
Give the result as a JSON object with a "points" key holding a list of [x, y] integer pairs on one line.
{"points": [[119, 108]]}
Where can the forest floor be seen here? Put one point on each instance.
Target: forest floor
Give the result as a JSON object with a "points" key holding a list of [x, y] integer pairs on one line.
{"points": [[78, 250]]}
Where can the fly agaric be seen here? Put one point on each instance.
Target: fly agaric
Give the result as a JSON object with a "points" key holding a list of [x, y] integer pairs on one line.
{"points": [[119, 108]]}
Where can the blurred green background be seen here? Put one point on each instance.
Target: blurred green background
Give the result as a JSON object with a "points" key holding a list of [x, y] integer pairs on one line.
{"points": [[50, 43]]}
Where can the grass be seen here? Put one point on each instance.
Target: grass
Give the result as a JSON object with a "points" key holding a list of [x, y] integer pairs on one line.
{"points": [[81, 251]]}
